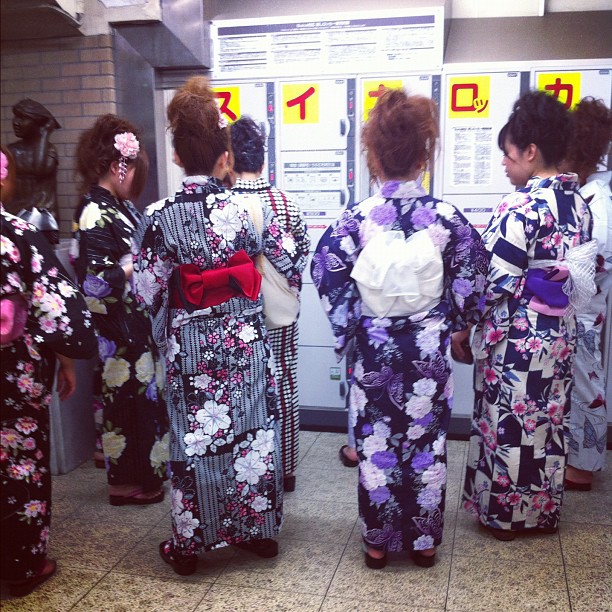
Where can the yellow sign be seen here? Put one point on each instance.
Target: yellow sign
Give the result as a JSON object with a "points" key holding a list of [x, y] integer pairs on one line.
{"points": [[300, 103], [372, 91], [229, 102], [565, 86], [469, 97]]}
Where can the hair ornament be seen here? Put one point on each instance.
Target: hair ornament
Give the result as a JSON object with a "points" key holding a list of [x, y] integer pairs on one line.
{"points": [[3, 166], [128, 146], [222, 120]]}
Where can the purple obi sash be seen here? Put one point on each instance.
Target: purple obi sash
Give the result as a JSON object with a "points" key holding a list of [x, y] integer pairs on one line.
{"points": [[544, 289]]}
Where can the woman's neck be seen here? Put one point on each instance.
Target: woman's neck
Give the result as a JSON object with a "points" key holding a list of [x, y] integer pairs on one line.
{"points": [[248, 176], [107, 184]]}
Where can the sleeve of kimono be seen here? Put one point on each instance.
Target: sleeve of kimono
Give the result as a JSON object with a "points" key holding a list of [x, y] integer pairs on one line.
{"points": [[466, 263], [507, 239], [281, 249], [153, 266], [99, 272], [58, 317], [298, 227], [331, 268]]}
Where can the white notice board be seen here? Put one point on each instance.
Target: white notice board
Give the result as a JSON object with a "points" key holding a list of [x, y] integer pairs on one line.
{"points": [[406, 39]]}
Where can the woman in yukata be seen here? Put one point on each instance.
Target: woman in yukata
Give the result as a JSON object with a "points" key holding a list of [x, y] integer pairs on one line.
{"points": [[589, 145], [248, 147], [524, 345], [135, 424], [44, 320], [400, 272], [195, 274]]}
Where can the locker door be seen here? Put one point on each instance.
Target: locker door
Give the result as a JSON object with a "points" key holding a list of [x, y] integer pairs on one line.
{"points": [[321, 379], [312, 115]]}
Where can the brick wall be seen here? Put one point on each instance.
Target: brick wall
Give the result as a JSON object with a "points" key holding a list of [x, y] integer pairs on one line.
{"points": [[75, 79]]}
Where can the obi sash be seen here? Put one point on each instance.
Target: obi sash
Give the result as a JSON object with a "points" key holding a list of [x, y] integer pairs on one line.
{"points": [[558, 288], [544, 289], [195, 289]]}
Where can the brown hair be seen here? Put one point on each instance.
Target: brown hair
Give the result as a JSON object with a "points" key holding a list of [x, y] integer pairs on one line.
{"points": [[96, 152], [590, 141], [197, 136], [401, 132], [7, 190]]}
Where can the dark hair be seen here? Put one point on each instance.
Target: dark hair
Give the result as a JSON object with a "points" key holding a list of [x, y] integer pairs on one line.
{"points": [[400, 132], [6, 192], [35, 111], [197, 134], [591, 133], [538, 118], [248, 145], [96, 152]]}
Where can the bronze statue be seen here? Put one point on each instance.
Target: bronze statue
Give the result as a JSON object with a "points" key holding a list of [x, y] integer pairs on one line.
{"points": [[36, 161]]}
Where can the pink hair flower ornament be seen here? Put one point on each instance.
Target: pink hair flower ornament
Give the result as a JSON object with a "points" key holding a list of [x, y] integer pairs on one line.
{"points": [[128, 146], [222, 120], [3, 166]]}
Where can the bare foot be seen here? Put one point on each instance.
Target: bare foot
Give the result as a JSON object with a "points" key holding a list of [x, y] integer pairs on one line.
{"points": [[350, 453], [375, 553]]}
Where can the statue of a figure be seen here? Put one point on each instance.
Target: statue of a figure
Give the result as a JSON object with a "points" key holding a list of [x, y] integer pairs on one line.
{"points": [[36, 162]]}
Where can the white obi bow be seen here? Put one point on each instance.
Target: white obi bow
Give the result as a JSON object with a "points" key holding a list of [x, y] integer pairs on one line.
{"points": [[399, 276]]}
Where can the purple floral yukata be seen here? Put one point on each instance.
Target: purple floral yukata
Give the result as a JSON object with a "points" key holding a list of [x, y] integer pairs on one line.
{"points": [[402, 389]]}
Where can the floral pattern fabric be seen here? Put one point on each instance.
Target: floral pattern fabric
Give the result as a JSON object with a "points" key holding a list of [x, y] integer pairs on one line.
{"points": [[402, 389], [221, 391], [523, 363], [588, 426], [135, 425], [284, 341], [58, 321]]}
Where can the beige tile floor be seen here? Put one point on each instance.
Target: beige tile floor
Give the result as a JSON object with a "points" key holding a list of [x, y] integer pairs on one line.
{"points": [[108, 558]]}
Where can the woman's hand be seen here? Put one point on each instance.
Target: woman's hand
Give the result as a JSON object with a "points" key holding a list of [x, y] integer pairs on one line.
{"points": [[66, 377], [460, 346]]}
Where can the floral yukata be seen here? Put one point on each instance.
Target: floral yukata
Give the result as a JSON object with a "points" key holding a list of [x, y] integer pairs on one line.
{"points": [[135, 427], [225, 451], [284, 340], [59, 321], [588, 417], [524, 359], [402, 389]]}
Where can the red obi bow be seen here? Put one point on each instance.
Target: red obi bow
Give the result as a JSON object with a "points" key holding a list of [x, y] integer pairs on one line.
{"points": [[200, 289]]}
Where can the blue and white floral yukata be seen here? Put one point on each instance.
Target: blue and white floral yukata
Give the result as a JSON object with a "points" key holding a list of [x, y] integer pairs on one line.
{"points": [[523, 362], [225, 446], [402, 389]]}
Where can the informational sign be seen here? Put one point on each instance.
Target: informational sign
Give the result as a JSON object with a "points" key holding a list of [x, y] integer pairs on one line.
{"points": [[477, 107], [469, 97], [570, 86], [563, 86], [410, 39], [371, 91], [319, 181], [300, 103]]}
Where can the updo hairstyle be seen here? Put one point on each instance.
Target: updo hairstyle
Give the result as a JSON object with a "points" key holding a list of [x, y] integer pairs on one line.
{"points": [[591, 123], [538, 118], [248, 145], [400, 133], [198, 136], [96, 151]]}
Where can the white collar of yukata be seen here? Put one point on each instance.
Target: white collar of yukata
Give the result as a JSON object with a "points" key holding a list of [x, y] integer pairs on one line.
{"points": [[197, 179], [258, 183], [402, 190], [568, 180]]}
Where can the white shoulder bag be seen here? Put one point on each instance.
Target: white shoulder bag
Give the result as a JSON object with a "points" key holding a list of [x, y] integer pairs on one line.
{"points": [[281, 305]]}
